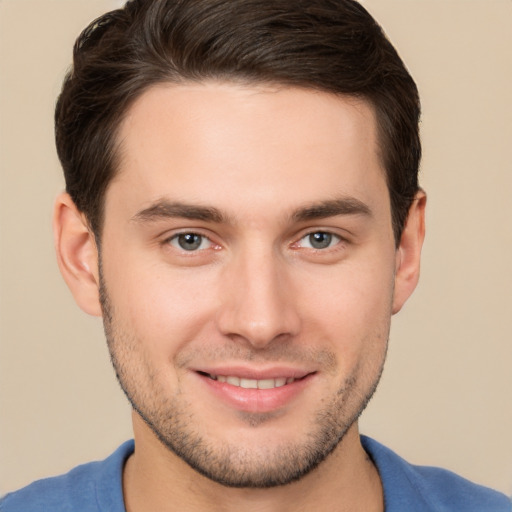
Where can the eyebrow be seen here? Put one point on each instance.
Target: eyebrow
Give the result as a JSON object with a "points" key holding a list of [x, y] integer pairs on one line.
{"points": [[163, 209], [332, 208]]}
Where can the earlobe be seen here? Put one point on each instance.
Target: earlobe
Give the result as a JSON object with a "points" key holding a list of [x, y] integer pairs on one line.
{"points": [[77, 254], [408, 254]]}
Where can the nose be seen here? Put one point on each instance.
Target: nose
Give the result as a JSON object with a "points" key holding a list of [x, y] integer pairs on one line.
{"points": [[258, 301]]}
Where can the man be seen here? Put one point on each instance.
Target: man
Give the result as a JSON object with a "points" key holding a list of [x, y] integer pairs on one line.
{"points": [[243, 211]]}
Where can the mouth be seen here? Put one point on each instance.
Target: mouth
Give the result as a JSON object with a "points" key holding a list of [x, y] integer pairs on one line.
{"points": [[245, 383], [245, 390]]}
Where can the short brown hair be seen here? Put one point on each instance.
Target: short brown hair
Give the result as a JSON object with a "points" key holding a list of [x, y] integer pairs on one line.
{"points": [[328, 45]]}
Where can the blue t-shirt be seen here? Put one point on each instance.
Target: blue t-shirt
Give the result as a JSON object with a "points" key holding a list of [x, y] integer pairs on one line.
{"points": [[97, 487]]}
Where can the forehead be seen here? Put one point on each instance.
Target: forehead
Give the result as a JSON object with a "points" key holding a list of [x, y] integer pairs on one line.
{"points": [[237, 144]]}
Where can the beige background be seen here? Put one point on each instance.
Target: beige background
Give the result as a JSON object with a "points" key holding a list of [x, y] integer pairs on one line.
{"points": [[445, 398]]}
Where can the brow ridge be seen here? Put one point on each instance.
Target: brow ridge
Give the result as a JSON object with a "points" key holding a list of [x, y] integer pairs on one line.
{"points": [[332, 208], [164, 209]]}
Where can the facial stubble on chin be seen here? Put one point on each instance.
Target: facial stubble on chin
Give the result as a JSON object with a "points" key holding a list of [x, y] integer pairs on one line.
{"points": [[171, 420]]}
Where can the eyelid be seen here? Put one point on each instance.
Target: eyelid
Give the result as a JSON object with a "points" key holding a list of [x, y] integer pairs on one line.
{"points": [[175, 240], [168, 238], [337, 248], [336, 239]]}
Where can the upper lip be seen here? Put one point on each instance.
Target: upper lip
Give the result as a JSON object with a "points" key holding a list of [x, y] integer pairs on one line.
{"points": [[244, 372]]}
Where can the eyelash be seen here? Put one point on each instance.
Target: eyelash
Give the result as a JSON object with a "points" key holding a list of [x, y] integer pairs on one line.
{"points": [[176, 238], [330, 236], [174, 241]]}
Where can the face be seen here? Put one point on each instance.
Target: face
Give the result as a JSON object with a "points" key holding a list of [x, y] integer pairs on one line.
{"points": [[248, 271]]}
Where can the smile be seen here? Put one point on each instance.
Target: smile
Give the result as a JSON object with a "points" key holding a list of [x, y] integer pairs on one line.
{"points": [[252, 383], [256, 391]]}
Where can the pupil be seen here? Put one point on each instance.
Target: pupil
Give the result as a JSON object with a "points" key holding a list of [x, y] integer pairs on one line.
{"points": [[320, 240], [189, 241]]}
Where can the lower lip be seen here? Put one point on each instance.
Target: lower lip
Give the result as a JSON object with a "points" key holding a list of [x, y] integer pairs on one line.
{"points": [[256, 400]]}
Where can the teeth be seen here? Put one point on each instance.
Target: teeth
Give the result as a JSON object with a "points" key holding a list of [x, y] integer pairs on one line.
{"points": [[249, 383], [253, 383], [266, 384], [234, 381]]}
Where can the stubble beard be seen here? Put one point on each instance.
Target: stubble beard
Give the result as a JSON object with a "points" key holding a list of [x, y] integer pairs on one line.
{"points": [[231, 465]]}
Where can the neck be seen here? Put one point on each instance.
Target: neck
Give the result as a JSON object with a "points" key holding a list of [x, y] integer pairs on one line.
{"points": [[156, 479]]}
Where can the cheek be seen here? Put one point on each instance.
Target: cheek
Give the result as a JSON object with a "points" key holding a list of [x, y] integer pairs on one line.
{"points": [[346, 306], [353, 296], [352, 310], [165, 308]]}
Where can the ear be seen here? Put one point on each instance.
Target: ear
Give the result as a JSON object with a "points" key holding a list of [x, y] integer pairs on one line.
{"points": [[77, 254], [409, 252]]}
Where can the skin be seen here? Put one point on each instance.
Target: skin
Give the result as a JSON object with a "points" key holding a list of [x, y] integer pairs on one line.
{"points": [[253, 172]]}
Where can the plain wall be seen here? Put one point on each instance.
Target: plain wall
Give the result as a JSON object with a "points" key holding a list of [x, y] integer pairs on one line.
{"points": [[445, 398]]}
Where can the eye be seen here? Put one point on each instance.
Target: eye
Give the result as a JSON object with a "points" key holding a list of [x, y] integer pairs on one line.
{"points": [[319, 240], [190, 242]]}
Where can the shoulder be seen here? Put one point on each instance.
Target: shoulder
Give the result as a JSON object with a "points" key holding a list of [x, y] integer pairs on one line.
{"points": [[422, 488], [90, 487]]}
